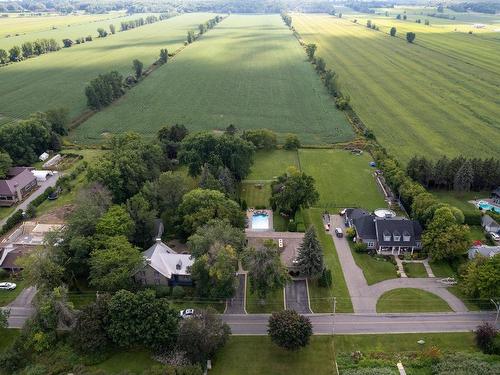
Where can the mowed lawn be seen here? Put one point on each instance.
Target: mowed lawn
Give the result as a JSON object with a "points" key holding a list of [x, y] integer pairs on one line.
{"points": [[249, 71], [418, 99], [59, 79], [268, 165], [411, 300], [342, 179]]}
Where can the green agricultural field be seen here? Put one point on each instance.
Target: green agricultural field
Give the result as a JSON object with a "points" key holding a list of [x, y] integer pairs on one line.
{"points": [[58, 79], [17, 30], [437, 96], [411, 300], [342, 179], [249, 71]]}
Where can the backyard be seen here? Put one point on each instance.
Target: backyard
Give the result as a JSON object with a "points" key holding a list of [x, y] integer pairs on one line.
{"points": [[342, 179], [408, 300]]}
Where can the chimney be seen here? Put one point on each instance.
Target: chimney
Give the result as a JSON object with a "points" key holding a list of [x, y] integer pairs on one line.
{"points": [[18, 192]]}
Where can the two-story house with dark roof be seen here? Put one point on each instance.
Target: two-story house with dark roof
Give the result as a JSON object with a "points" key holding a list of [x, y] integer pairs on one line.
{"points": [[394, 234], [20, 181]]}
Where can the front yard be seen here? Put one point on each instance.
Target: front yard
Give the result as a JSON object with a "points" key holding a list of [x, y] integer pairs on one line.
{"points": [[408, 300], [375, 268], [7, 296], [274, 301], [415, 270]]}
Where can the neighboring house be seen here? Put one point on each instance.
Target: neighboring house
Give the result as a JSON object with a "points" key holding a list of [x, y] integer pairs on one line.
{"points": [[24, 239], [164, 266], [489, 224], [394, 234], [484, 250], [19, 183], [495, 195]]}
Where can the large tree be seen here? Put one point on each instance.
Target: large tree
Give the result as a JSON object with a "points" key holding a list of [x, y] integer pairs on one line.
{"points": [[144, 217], [115, 222], [201, 336], [310, 256], [480, 278], [142, 319], [289, 330], [113, 264], [293, 191], [265, 270], [41, 268], [444, 238], [224, 150], [216, 232], [5, 164], [200, 206], [127, 166], [214, 273], [171, 137]]}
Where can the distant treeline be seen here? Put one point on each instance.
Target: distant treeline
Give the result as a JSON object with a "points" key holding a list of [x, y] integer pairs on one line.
{"points": [[28, 49], [132, 24], [489, 8], [442, 15], [459, 173], [366, 7]]}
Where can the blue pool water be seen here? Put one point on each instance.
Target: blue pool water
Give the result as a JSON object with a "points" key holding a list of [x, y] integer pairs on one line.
{"points": [[487, 206], [260, 221]]}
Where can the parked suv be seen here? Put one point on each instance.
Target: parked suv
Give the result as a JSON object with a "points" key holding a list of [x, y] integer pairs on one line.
{"points": [[339, 233]]}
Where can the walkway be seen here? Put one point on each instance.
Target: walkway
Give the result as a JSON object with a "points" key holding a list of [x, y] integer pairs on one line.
{"points": [[21, 308], [42, 186], [364, 297], [297, 296]]}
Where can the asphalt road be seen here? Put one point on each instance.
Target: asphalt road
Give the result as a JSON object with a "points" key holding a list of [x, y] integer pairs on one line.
{"points": [[256, 324]]}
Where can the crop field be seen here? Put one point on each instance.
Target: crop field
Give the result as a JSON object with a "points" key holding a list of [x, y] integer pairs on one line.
{"points": [[58, 79], [13, 26], [440, 95], [342, 179], [249, 71]]}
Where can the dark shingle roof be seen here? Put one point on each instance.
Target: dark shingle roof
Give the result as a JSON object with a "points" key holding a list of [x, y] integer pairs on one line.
{"points": [[20, 176], [365, 226], [395, 226]]}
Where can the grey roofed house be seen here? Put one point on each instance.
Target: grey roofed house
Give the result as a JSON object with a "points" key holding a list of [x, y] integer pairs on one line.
{"points": [[384, 233], [484, 250], [489, 224], [495, 195], [163, 266], [19, 182]]}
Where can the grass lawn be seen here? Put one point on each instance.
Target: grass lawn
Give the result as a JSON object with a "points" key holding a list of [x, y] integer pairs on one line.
{"points": [[6, 211], [7, 336], [415, 270], [7, 296], [186, 304], [268, 165], [472, 304], [280, 224], [477, 233], [321, 298], [256, 195], [449, 105], [375, 269], [274, 302], [249, 71], [410, 300], [258, 355], [342, 179], [460, 199], [134, 361]]}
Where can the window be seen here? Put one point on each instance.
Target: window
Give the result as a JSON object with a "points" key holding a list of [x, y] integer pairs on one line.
{"points": [[387, 236], [406, 237], [397, 238], [371, 244]]}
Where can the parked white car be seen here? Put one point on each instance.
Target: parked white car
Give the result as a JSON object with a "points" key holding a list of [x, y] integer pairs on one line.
{"points": [[185, 314], [495, 236], [7, 286]]}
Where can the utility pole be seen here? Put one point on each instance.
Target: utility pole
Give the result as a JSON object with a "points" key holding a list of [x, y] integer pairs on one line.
{"points": [[497, 307]]}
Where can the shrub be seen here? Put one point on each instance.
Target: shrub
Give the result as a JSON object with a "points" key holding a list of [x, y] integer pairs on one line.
{"points": [[289, 330], [350, 233], [292, 226], [472, 218], [244, 205], [12, 221], [178, 292], [325, 281], [485, 338], [292, 142], [360, 247]]}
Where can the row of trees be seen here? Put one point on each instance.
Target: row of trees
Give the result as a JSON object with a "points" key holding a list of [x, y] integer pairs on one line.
{"points": [[265, 139], [104, 89], [459, 173], [202, 28], [22, 142], [330, 77], [138, 22], [28, 49]]}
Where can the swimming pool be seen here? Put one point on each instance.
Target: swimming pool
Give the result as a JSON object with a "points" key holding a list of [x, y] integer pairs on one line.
{"points": [[486, 206], [260, 221]]}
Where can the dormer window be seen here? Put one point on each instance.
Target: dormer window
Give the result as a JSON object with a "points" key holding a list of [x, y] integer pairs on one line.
{"points": [[397, 236], [387, 236], [406, 236]]}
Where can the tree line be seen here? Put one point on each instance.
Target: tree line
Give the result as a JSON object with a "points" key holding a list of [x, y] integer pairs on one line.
{"points": [[459, 173], [28, 50], [202, 28], [138, 22]]}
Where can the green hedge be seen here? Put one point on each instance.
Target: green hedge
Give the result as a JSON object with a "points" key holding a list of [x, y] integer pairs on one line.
{"points": [[12, 221], [472, 218]]}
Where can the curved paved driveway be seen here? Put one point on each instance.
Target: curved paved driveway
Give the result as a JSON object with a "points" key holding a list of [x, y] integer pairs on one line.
{"points": [[364, 297]]}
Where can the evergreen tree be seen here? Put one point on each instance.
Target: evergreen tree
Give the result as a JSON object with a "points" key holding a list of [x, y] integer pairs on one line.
{"points": [[310, 258], [464, 177]]}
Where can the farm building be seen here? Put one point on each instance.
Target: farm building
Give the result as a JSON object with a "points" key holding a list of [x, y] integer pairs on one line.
{"points": [[390, 233], [19, 183]]}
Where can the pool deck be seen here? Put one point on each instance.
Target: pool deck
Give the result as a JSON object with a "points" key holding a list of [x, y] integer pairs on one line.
{"points": [[269, 213], [489, 201]]}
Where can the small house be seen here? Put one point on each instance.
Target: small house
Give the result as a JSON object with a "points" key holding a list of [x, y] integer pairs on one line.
{"points": [[19, 182], [483, 250], [490, 225]]}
